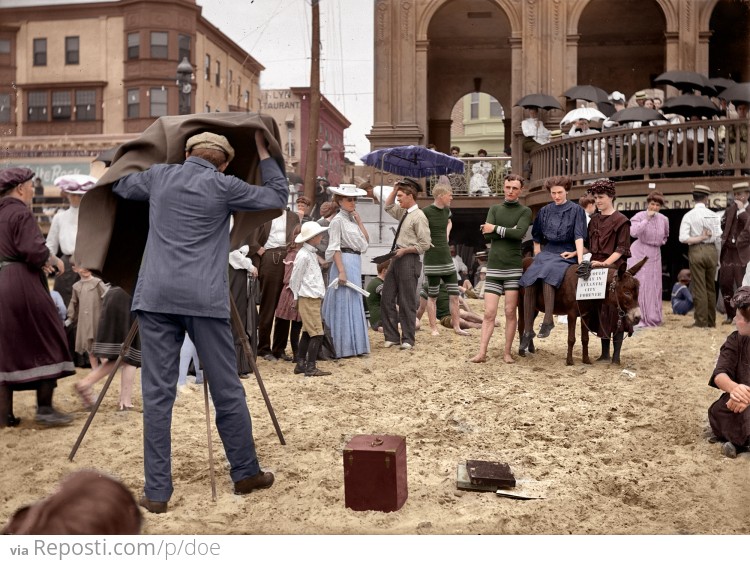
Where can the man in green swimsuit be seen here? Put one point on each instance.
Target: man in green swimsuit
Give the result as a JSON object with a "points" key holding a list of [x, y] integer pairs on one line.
{"points": [[438, 264], [505, 227]]}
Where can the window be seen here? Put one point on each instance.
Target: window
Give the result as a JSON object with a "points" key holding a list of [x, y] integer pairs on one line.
{"points": [[72, 50], [159, 43], [246, 97], [229, 81], [134, 104], [496, 110], [5, 108], [218, 73], [37, 106], [158, 107], [183, 46], [85, 105], [207, 70], [61, 109], [4, 46], [40, 52], [208, 108], [134, 45], [474, 105]]}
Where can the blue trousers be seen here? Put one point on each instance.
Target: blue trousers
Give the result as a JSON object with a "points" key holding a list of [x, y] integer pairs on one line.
{"points": [[161, 339]]}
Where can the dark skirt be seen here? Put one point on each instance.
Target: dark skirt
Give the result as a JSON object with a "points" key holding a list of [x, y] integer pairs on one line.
{"points": [[114, 325], [284, 308], [727, 425], [64, 283], [33, 345], [548, 266]]}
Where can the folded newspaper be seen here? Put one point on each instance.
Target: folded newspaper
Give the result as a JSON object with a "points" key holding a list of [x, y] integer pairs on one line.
{"points": [[351, 285]]}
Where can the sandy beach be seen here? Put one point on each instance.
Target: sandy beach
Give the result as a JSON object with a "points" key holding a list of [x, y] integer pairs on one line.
{"points": [[614, 453]]}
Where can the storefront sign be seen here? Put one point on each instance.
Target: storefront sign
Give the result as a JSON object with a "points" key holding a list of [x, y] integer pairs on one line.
{"points": [[675, 202], [49, 172]]}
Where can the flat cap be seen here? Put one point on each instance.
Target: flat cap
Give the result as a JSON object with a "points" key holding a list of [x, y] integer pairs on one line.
{"points": [[11, 178], [212, 141], [410, 182], [702, 189], [741, 186]]}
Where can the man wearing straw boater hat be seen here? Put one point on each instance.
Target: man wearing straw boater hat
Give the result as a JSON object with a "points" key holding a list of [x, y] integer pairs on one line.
{"points": [[400, 287], [700, 229], [189, 210], [735, 246]]}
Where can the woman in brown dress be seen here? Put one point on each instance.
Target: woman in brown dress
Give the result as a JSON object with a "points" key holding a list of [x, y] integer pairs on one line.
{"points": [[609, 244], [730, 414], [33, 347]]}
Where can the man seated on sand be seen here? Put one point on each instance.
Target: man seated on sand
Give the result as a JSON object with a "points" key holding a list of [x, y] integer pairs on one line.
{"points": [[467, 318]]}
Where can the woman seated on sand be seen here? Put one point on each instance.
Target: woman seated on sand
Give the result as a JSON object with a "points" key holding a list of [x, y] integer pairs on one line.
{"points": [[729, 415]]}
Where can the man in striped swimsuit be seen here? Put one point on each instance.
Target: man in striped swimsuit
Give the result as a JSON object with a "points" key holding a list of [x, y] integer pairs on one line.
{"points": [[505, 227], [438, 264]]}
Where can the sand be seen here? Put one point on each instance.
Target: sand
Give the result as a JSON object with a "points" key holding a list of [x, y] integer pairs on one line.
{"points": [[616, 454]]}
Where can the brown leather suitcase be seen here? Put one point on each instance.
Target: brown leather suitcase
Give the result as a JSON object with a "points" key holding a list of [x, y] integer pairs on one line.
{"points": [[375, 472]]}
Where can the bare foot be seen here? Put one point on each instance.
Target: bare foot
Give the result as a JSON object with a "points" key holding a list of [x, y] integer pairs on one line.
{"points": [[435, 332], [461, 332], [508, 359], [418, 326], [478, 358], [497, 323]]}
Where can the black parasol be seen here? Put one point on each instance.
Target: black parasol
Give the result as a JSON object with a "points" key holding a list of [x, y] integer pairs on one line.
{"points": [[686, 81], [689, 105], [587, 92], [539, 101], [739, 93], [637, 115]]}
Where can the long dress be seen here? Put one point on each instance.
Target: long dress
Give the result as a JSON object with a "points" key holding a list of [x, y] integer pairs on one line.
{"points": [[652, 234], [115, 322], [609, 234], [734, 361], [343, 308], [556, 228], [33, 345]]}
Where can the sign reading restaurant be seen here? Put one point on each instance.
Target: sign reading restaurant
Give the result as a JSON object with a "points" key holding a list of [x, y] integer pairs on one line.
{"points": [[279, 99]]}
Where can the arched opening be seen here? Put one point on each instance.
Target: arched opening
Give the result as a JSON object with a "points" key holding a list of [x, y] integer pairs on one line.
{"points": [[629, 36], [468, 51], [477, 121], [728, 49]]}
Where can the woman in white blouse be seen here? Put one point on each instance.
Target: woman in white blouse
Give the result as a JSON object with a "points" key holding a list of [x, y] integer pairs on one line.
{"points": [[343, 308]]}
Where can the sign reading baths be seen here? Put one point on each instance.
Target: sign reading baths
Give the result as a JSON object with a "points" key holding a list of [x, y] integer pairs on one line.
{"points": [[716, 200]]}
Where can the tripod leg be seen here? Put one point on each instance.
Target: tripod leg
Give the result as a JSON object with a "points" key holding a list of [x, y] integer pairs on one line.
{"points": [[251, 360], [123, 350], [208, 432]]}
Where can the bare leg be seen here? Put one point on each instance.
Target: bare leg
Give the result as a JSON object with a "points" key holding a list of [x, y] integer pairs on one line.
{"points": [[471, 317], [511, 323], [488, 326], [127, 377], [83, 388], [455, 316], [469, 324], [93, 361], [420, 312], [432, 316]]}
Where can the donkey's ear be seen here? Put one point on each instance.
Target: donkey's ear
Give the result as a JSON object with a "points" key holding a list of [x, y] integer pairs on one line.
{"points": [[621, 270], [638, 266]]}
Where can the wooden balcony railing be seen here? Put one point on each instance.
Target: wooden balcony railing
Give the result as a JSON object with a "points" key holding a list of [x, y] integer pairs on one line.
{"points": [[692, 148]]}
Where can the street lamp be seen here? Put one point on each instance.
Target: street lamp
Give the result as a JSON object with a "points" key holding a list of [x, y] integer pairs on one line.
{"points": [[327, 149], [184, 79]]}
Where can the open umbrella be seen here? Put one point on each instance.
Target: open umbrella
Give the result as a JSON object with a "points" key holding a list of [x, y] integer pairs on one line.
{"points": [[686, 81], [637, 115], [539, 100], [721, 84], [413, 161], [588, 113], [739, 93], [587, 92], [689, 105]]}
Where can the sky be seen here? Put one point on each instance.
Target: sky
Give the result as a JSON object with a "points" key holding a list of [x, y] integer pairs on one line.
{"points": [[277, 33]]}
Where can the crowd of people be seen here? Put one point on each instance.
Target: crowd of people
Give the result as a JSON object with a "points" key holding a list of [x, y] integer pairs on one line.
{"points": [[305, 277]]}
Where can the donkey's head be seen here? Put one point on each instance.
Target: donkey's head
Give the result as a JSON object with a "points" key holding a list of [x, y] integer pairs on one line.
{"points": [[626, 291]]}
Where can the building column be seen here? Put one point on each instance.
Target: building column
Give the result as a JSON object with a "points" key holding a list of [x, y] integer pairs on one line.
{"points": [[440, 134], [421, 101]]}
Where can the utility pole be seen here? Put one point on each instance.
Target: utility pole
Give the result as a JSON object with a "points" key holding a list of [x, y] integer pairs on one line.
{"points": [[311, 161]]}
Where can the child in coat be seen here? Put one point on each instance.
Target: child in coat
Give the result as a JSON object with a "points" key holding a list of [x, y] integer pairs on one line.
{"points": [[84, 310]]}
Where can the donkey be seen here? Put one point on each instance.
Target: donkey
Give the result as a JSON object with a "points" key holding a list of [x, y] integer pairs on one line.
{"points": [[622, 293]]}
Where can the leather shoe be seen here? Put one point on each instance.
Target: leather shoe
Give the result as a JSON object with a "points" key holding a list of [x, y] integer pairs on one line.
{"points": [[544, 330], [270, 357], [156, 507], [244, 375], [261, 480], [52, 418], [316, 372], [12, 420]]}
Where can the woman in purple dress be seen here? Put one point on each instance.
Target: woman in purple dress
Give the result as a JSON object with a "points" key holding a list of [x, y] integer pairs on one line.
{"points": [[33, 347], [652, 230]]}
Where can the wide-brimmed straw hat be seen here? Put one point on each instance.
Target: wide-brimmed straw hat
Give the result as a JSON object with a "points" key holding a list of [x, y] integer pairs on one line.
{"points": [[75, 184], [741, 186], [702, 189], [309, 230], [347, 190]]}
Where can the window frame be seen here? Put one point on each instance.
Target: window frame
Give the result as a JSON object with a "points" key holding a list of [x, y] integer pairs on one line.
{"points": [[40, 54], [89, 112], [133, 52], [218, 72], [181, 51], [5, 108], [130, 105], [155, 51], [43, 110], [61, 111], [152, 105], [73, 55], [207, 67], [10, 46]]}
